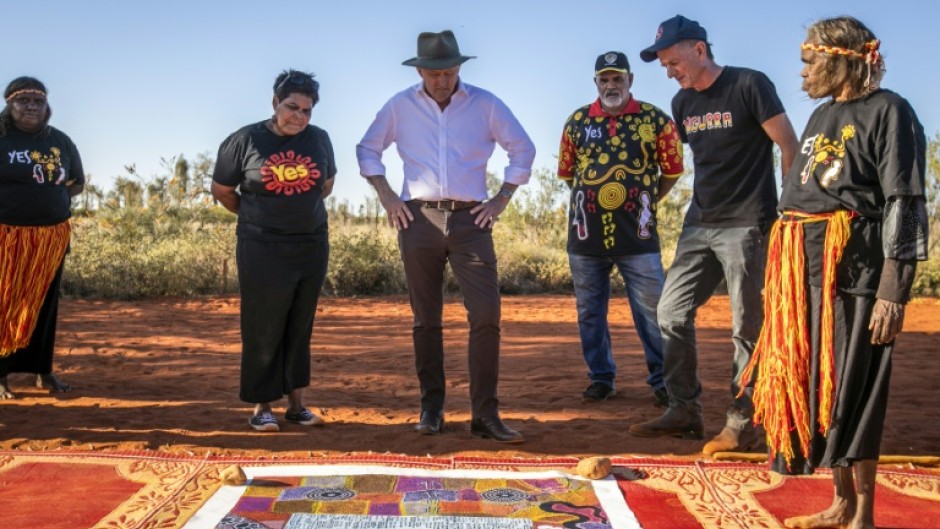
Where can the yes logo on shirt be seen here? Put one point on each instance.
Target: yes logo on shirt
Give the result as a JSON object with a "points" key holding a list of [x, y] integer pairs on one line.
{"points": [[289, 173]]}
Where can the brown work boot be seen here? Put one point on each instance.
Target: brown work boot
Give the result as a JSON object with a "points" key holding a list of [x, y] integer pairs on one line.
{"points": [[733, 440], [675, 422]]}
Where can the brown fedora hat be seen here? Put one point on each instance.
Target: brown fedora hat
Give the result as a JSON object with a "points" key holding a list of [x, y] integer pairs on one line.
{"points": [[437, 51]]}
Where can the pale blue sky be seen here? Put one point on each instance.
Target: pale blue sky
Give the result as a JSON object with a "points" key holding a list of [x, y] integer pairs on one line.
{"points": [[134, 81]]}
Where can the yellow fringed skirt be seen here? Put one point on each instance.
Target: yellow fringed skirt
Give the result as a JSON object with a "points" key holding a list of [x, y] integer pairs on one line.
{"points": [[29, 258], [783, 352]]}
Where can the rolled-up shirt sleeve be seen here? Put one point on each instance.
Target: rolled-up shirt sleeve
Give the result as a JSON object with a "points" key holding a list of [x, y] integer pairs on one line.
{"points": [[509, 134], [669, 151], [567, 154], [378, 137]]}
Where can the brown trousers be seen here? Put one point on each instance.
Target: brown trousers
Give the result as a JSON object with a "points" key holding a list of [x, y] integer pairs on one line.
{"points": [[435, 238]]}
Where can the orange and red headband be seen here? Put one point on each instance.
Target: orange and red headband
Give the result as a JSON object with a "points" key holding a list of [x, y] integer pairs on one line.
{"points": [[871, 55], [25, 91]]}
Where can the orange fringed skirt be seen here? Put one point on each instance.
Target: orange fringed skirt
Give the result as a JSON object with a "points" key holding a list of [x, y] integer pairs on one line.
{"points": [[29, 258], [782, 357]]}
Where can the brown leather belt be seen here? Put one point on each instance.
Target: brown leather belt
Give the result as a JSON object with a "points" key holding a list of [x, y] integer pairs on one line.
{"points": [[446, 205]]}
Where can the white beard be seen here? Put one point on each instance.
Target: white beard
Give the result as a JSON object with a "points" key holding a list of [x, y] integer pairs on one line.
{"points": [[613, 100]]}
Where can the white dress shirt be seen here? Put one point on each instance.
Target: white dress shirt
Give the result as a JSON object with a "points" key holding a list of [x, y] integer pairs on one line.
{"points": [[445, 152]]}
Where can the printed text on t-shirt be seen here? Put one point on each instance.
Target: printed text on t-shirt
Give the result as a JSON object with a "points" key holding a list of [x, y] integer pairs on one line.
{"points": [[709, 121], [289, 173]]}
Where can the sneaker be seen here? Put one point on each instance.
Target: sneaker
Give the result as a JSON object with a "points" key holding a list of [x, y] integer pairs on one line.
{"points": [[264, 422], [597, 392], [303, 417]]}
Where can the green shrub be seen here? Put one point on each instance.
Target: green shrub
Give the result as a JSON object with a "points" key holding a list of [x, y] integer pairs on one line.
{"points": [[364, 260], [146, 254], [927, 279], [531, 260], [128, 250]]}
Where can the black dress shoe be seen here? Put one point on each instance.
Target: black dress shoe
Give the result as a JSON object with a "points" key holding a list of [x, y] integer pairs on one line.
{"points": [[493, 428], [431, 423]]}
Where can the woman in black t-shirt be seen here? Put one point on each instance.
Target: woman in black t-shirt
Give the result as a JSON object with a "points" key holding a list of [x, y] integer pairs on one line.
{"points": [[274, 175], [40, 171], [841, 266]]}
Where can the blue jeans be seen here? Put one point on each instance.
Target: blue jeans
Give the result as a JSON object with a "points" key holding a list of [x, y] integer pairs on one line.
{"points": [[705, 256], [643, 276]]}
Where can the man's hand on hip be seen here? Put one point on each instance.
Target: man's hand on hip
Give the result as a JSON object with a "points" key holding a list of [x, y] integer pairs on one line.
{"points": [[488, 212]]}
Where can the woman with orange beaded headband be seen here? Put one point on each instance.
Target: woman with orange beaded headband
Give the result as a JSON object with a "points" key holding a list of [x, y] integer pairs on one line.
{"points": [[853, 53], [841, 264], [40, 171], [19, 90]]}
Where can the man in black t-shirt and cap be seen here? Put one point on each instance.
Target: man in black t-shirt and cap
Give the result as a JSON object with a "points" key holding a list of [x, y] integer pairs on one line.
{"points": [[731, 118]]}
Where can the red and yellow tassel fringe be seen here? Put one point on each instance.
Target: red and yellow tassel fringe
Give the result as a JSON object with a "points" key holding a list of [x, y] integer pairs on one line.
{"points": [[783, 353], [29, 259]]}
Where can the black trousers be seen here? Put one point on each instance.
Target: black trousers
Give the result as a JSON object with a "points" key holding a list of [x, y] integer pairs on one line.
{"points": [[435, 238], [37, 356], [280, 285]]}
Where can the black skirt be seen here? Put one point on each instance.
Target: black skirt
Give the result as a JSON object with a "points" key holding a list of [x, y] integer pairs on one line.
{"points": [[36, 357], [863, 375]]}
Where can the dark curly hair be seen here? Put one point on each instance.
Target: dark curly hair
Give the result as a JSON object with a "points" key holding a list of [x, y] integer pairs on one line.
{"points": [[22, 83], [296, 82]]}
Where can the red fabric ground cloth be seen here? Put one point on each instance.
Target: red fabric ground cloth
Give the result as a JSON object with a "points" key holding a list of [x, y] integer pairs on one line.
{"points": [[152, 490], [667, 494], [903, 500], [57, 495]]}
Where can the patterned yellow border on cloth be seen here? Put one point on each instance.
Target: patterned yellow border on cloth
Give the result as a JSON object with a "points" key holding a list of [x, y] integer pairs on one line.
{"points": [[173, 488], [719, 495]]}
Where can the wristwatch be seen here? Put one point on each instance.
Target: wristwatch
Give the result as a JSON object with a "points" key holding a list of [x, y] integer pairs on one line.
{"points": [[506, 193]]}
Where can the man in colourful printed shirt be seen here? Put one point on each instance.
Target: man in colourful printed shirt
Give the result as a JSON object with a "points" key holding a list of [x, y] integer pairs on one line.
{"points": [[620, 156]]}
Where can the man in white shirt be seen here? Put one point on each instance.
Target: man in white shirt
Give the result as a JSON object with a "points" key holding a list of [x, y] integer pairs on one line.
{"points": [[445, 131]]}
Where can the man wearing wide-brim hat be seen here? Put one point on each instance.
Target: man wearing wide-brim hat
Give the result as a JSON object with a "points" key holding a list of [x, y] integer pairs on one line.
{"points": [[445, 131]]}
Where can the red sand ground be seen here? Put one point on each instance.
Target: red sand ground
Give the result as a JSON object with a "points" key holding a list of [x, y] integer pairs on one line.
{"points": [[163, 375]]}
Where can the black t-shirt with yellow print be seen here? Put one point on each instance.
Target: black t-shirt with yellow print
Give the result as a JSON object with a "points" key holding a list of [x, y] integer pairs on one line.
{"points": [[35, 172], [280, 179], [614, 164], [855, 155]]}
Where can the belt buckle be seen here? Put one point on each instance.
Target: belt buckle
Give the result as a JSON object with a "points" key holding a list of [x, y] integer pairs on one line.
{"points": [[441, 205]]}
